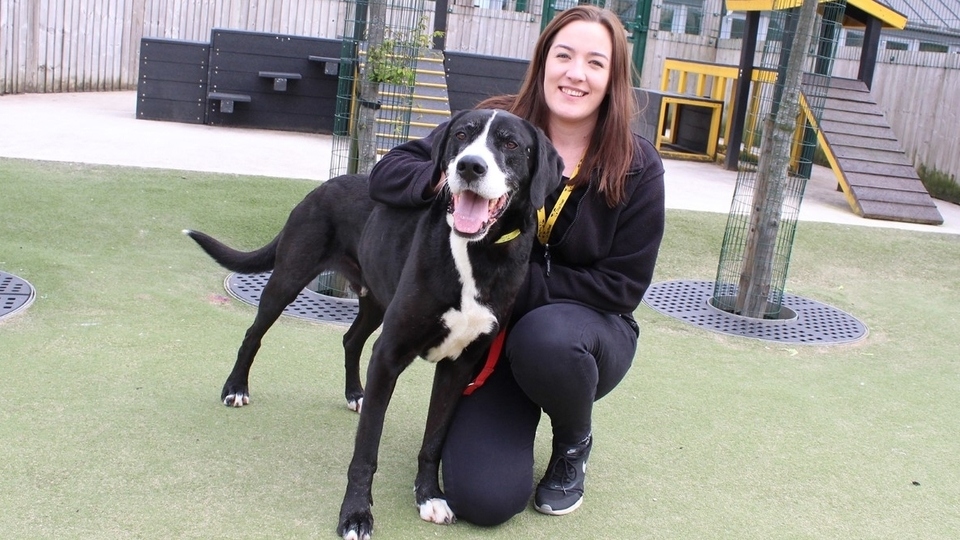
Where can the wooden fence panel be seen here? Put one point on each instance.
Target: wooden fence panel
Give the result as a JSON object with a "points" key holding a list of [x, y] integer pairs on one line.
{"points": [[10, 68], [477, 31], [89, 45]]}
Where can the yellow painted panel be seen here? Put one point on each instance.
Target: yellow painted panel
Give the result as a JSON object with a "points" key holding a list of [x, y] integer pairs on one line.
{"points": [[693, 66], [888, 17], [672, 104], [831, 158], [752, 5]]}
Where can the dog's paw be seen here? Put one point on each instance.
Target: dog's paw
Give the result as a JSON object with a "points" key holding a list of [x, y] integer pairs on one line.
{"points": [[236, 400], [355, 405], [356, 526], [436, 511], [235, 394]]}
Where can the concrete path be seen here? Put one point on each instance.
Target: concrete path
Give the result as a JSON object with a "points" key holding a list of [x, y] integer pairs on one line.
{"points": [[102, 128]]}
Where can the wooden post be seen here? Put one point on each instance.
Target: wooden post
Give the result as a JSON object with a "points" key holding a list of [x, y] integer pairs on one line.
{"points": [[742, 91], [440, 25], [871, 48]]}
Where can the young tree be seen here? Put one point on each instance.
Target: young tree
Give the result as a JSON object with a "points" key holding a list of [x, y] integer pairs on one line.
{"points": [[772, 171]]}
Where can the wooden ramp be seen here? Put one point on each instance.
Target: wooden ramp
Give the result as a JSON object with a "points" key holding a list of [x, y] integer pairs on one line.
{"points": [[875, 174]]}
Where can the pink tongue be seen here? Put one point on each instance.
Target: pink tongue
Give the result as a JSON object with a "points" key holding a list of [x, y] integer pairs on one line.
{"points": [[469, 212]]}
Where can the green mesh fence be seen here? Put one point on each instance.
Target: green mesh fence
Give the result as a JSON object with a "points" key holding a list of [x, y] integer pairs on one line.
{"points": [[776, 159], [381, 43]]}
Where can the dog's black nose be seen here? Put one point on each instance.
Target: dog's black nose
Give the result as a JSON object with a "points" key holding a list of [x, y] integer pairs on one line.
{"points": [[471, 168]]}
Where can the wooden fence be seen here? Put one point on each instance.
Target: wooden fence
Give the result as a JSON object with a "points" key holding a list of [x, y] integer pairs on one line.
{"points": [[93, 45]]}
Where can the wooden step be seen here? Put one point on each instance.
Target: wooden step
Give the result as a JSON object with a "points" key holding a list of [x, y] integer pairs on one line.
{"points": [[415, 115]]}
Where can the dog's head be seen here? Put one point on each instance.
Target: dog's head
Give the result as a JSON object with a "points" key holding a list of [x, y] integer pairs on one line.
{"points": [[493, 160]]}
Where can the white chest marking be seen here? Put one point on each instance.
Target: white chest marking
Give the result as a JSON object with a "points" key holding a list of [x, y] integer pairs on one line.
{"points": [[473, 319]]}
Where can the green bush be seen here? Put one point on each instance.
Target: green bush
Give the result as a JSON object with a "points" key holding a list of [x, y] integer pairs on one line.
{"points": [[939, 184]]}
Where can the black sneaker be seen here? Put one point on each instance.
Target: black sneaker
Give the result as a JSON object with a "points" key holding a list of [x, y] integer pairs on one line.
{"points": [[561, 489]]}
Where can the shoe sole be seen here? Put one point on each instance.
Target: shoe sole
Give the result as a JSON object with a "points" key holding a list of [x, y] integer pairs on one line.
{"points": [[545, 509]]}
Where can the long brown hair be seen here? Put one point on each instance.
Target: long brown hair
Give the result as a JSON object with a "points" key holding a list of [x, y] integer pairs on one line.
{"points": [[612, 142]]}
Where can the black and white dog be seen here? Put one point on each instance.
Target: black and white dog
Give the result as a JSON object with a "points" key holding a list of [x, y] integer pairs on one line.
{"points": [[442, 281]]}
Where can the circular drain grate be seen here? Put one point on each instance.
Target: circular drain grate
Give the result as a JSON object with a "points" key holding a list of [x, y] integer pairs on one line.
{"points": [[308, 305], [15, 294], [814, 323]]}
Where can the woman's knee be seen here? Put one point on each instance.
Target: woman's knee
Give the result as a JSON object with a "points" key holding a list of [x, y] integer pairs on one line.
{"points": [[487, 503], [487, 457], [564, 340]]}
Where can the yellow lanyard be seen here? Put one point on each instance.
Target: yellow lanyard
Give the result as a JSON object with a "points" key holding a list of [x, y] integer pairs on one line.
{"points": [[545, 224]]}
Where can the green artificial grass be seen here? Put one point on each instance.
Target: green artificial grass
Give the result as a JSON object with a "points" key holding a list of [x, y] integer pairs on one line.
{"points": [[111, 425]]}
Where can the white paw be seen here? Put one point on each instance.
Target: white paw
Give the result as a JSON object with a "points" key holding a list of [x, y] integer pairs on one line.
{"points": [[437, 511], [236, 400], [355, 406], [352, 535]]}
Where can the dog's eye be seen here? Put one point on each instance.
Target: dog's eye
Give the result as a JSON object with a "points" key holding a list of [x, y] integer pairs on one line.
{"points": [[511, 145], [460, 135]]}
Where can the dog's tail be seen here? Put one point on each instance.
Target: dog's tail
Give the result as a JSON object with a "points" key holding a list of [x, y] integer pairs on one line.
{"points": [[243, 262]]}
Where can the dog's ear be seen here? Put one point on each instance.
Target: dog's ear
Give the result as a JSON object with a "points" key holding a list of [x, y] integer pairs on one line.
{"points": [[548, 172], [440, 145]]}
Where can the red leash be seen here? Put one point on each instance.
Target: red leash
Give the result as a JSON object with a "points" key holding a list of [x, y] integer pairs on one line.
{"points": [[492, 358]]}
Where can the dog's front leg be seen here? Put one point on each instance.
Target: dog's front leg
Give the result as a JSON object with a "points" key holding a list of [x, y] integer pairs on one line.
{"points": [[449, 380], [356, 518]]}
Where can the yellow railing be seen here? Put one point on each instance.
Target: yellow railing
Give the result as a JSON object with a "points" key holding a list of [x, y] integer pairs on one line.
{"points": [[717, 82]]}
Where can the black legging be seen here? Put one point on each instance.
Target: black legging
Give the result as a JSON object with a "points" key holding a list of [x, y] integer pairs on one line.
{"points": [[559, 358]]}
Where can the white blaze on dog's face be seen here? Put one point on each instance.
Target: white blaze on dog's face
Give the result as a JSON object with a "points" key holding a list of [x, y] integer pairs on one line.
{"points": [[478, 182]]}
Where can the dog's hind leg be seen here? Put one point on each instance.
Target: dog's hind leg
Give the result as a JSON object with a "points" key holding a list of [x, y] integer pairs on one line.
{"points": [[281, 289], [369, 317]]}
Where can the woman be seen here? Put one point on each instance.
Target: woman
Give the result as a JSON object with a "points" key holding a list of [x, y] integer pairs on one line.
{"points": [[572, 337]]}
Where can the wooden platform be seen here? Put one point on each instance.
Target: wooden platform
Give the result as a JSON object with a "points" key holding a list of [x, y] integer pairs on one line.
{"points": [[878, 179], [172, 81], [285, 81]]}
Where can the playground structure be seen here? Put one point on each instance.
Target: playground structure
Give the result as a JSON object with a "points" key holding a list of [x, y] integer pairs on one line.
{"points": [[780, 111], [703, 110]]}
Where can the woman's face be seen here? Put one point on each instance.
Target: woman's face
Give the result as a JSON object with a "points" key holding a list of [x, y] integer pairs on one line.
{"points": [[577, 71]]}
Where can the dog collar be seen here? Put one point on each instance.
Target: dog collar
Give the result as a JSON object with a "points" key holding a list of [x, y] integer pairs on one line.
{"points": [[508, 237]]}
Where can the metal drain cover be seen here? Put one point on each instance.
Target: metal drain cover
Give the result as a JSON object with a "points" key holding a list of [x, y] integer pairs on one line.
{"points": [[15, 294], [814, 323], [308, 305]]}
